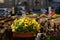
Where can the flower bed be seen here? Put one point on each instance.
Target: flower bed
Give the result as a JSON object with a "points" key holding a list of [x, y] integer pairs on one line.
{"points": [[25, 26]]}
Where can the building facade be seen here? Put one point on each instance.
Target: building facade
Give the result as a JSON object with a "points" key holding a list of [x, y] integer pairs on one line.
{"points": [[36, 3], [6, 3], [33, 3]]}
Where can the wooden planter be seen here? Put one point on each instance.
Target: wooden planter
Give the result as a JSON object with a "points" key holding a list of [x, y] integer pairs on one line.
{"points": [[24, 35]]}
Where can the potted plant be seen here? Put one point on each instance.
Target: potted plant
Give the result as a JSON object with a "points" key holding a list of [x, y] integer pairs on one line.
{"points": [[25, 27]]}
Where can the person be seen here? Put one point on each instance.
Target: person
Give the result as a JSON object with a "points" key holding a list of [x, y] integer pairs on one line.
{"points": [[14, 11], [18, 13], [7, 14], [52, 13], [2, 12], [43, 10]]}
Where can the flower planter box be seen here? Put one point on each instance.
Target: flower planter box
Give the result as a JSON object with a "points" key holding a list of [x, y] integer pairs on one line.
{"points": [[24, 35], [25, 28]]}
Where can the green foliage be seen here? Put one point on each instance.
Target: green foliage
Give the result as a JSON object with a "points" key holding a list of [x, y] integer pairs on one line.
{"points": [[25, 25], [49, 37]]}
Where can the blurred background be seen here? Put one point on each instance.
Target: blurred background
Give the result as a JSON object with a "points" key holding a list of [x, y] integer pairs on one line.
{"points": [[45, 12], [34, 5]]}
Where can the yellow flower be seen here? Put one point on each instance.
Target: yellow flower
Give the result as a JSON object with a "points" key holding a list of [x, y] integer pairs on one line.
{"points": [[28, 18], [21, 20], [25, 22], [25, 25], [38, 27], [15, 20], [33, 20], [20, 23], [13, 30], [12, 25]]}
